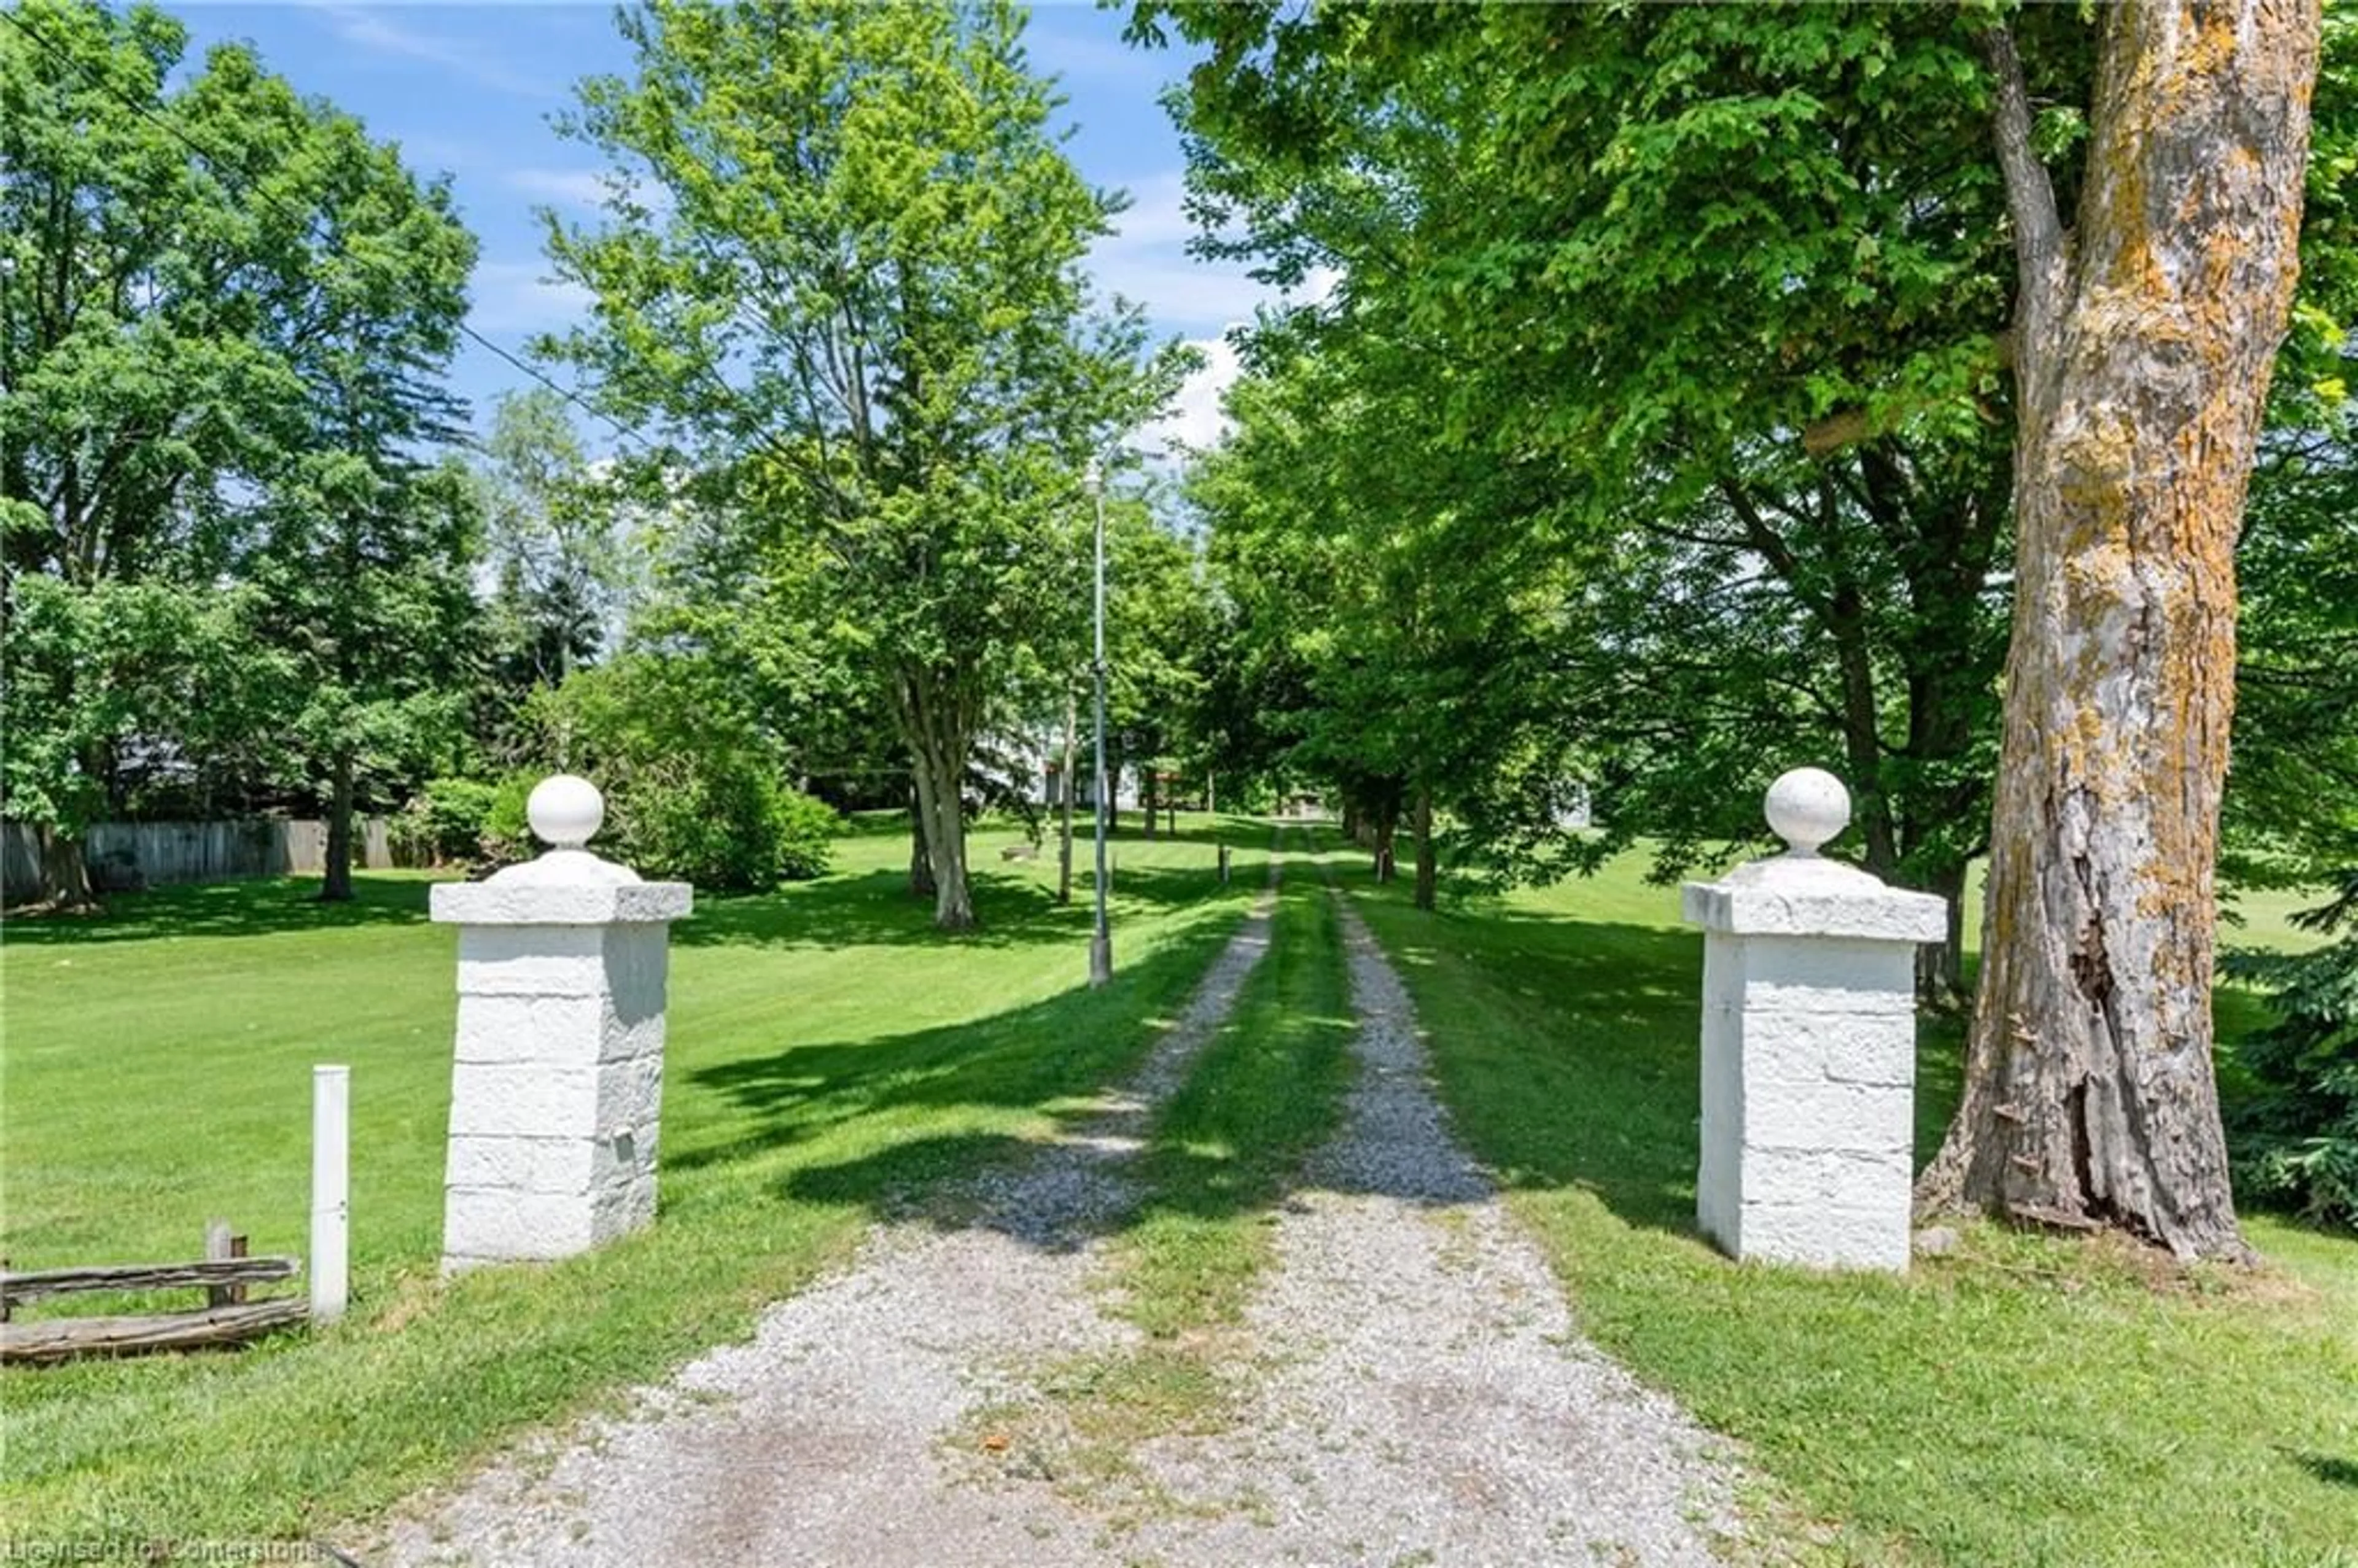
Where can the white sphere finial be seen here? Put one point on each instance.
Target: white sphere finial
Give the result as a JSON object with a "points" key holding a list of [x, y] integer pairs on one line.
{"points": [[1806, 807], [564, 811]]}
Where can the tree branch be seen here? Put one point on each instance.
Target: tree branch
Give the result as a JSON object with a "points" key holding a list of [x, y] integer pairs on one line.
{"points": [[2039, 236]]}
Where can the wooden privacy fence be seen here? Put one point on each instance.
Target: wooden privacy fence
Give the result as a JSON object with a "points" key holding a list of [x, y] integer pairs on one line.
{"points": [[155, 854]]}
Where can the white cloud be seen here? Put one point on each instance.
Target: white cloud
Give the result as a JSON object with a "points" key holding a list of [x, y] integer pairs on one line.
{"points": [[519, 298], [570, 187], [367, 30], [582, 190], [1066, 47], [1195, 420], [1146, 260]]}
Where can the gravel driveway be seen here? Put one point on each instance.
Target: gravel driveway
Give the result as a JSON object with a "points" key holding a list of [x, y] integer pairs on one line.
{"points": [[1419, 1396]]}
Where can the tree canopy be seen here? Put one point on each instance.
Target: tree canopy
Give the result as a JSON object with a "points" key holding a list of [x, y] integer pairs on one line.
{"points": [[859, 321], [224, 316]]}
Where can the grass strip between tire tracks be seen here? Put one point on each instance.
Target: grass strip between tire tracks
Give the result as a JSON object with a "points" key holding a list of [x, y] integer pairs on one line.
{"points": [[1265, 1092]]}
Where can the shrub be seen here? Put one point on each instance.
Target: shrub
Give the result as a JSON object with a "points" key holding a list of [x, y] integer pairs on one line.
{"points": [[710, 819], [2297, 1142], [443, 823], [506, 836], [806, 831], [694, 787]]}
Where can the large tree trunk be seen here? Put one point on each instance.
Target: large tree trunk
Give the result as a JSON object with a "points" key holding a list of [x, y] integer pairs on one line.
{"points": [[1153, 782], [2144, 345], [336, 885], [1065, 802], [939, 769], [921, 858], [1427, 871], [65, 873], [1386, 828]]}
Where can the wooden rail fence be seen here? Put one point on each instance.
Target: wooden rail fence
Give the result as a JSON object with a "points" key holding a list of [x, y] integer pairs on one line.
{"points": [[226, 1318]]}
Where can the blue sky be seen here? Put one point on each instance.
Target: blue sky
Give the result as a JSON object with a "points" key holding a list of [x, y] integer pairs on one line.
{"points": [[467, 89]]}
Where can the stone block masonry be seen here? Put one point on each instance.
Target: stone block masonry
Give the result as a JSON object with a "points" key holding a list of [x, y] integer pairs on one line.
{"points": [[1809, 1047], [556, 1078]]}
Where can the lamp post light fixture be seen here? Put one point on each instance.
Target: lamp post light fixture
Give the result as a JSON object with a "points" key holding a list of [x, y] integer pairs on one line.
{"points": [[1101, 939]]}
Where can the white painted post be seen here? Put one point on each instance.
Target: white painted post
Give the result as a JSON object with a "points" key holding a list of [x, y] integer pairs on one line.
{"points": [[556, 1081], [331, 1262], [1808, 1046]]}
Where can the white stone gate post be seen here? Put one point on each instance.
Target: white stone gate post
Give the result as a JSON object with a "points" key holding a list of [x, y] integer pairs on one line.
{"points": [[556, 1083], [1808, 1046]]}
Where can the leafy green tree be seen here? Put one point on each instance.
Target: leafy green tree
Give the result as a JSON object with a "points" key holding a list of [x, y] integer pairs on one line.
{"points": [[365, 580], [208, 286], [1764, 271], [1157, 619], [2143, 369], [1417, 590], [1722, 283], [555, 538], [367, 551], [861, 323], [2297, 1141], [94, 667], [132, 279]]}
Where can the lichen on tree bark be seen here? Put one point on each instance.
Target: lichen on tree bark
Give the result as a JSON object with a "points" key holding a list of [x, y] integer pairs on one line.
{"points": [[2147, 333]]}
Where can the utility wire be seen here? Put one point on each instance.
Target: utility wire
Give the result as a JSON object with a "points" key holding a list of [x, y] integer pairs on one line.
{"points": [[310, 225]]}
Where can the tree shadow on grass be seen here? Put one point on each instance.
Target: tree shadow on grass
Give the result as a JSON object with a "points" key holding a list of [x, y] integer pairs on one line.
{"points": [[876, 909], [267, 906], [2333, 1471], [1065, 1047], [1051, 1195]]}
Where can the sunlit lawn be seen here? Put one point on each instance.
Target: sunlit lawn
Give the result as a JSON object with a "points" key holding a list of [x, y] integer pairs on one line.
{"points": [[826, 1051], [2026, 1402]]}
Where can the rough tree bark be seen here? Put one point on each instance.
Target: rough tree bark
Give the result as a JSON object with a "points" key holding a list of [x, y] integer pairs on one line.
{"points": [[2144, 340], [335, 884], [936, 714], [939, 771]]}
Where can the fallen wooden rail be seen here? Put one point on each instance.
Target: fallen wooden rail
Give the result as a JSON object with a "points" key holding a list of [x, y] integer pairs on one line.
{"points": [[227, 1318], [63, 1338]]}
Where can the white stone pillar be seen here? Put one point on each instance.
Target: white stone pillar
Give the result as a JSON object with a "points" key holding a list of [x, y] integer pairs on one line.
{"points": [[1808, 1046], [557, 1085]]}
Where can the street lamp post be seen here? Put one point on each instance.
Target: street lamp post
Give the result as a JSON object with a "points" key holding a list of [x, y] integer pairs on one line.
{"points": [[1102, 941]]}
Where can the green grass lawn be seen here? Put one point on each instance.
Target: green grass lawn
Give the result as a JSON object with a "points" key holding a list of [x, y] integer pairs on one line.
{"points": [[826, 1053], [2026, 1402]]}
